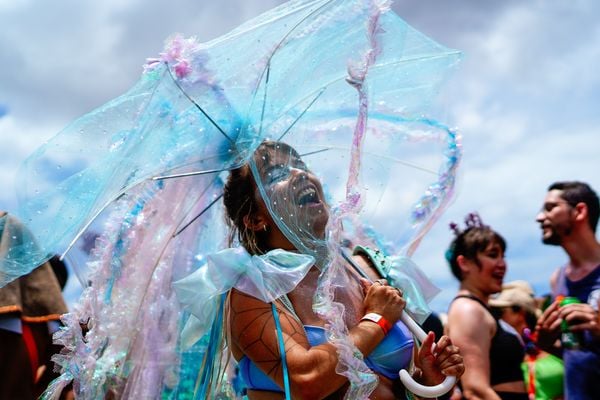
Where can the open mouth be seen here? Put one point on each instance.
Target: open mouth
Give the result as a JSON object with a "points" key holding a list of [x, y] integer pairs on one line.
{"points": [[308, 196], [498, 275]]}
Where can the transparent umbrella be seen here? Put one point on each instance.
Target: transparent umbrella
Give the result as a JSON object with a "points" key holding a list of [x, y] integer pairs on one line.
{"points": [[346, 83]]}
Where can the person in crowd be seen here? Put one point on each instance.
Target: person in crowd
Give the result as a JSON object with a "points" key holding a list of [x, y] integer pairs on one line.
{"points": [[568, 218], [543, 372], [372, 307], [30, 310], [492, 352], [516, 305]]}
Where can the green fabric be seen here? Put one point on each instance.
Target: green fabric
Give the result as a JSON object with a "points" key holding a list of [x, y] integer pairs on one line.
{"points": [[377, 258], [549, 371]]}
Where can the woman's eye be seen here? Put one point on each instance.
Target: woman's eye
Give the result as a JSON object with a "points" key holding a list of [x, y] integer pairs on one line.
{"points": [[277, 175]]}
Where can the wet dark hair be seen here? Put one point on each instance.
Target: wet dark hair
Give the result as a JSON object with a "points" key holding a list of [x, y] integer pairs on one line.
{"points": [[574, 192], [467, 243], [241, 199]]}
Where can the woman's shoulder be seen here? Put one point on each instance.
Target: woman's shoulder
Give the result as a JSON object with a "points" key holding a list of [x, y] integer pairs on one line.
{"points": [[241, 299], [467, 314], [467, 307]]}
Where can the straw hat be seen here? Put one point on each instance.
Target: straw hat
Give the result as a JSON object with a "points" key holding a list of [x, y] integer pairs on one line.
{"points": [[517, 293], [523, 285]]}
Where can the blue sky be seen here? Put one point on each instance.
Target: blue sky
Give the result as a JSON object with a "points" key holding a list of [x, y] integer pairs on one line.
{"points": [[525, 98]]}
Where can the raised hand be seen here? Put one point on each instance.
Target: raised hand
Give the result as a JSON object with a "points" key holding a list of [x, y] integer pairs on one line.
{"points": [[439, 360]]}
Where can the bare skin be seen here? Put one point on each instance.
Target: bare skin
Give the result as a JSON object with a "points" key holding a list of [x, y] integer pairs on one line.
{"points": [[472, 327]]}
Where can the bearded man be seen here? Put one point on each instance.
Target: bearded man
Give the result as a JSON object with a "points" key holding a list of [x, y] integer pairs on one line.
{"points": [[568, 219]]}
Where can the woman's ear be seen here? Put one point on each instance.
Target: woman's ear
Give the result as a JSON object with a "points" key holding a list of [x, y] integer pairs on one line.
{"points": [[463, 263]]}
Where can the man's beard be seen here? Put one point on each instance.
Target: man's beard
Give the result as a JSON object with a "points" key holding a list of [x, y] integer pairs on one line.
{"points": [[557, 234]]}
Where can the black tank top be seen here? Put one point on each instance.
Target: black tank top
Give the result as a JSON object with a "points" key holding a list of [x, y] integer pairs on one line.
{"points": [[506, 352]]}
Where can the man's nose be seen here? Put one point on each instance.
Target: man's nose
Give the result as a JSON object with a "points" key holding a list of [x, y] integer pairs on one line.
{"points": [[540, 216]]}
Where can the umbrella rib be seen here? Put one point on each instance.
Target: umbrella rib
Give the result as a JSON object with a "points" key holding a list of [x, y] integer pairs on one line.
{"points": [[301, 114], [264, 104], [391, 64], [87, 225], [212, 121], [394, 159], [198, 216], [283, 39], [193, 173], [310, 153], [123, 191]]}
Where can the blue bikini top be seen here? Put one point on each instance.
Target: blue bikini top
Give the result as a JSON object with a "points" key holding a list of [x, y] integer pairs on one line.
{"points": [[387, 359], [392, 354]]}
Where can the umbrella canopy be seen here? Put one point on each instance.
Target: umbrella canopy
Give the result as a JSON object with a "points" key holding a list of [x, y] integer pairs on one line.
{"points": [[345, 83]]}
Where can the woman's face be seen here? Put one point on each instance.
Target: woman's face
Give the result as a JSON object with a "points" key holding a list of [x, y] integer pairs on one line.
{"points": [[295, 194], [488, 273]]}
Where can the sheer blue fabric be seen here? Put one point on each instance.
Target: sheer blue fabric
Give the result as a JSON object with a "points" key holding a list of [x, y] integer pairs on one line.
{"points": [[266, 277]]}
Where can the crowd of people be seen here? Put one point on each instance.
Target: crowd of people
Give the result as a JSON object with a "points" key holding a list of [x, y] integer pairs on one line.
{"points": [[517, 346], [500, 341]]}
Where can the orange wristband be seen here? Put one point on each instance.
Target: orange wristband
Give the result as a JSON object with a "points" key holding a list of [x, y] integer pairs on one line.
{"points": [[379, 320]]}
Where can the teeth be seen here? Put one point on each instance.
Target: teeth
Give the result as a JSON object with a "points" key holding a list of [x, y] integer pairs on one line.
{"points": [[306, 195], [307, 191]]}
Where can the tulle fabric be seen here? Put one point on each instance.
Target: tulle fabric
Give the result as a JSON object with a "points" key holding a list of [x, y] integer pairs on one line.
{"points": [[266, 277]]}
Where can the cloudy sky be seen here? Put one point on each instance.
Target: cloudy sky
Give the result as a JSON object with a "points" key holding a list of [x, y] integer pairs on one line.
{"points": [[525, 99]]}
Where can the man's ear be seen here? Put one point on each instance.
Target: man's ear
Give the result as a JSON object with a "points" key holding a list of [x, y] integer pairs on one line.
{"points": [[581, 212], [256, 222]]}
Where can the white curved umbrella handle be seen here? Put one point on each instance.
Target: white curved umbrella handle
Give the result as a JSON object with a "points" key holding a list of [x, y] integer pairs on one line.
{"points": [[408, 381]]}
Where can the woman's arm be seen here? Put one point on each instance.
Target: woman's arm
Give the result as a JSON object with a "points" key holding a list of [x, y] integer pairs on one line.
{"points": [[471, 328], [311, 369]]}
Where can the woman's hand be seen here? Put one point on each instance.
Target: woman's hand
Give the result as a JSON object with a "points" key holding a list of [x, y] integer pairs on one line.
{"points": [[444, 360], [382, 299]]}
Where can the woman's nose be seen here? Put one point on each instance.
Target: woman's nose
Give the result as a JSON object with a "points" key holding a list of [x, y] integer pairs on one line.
{"points": [[297, 171]]}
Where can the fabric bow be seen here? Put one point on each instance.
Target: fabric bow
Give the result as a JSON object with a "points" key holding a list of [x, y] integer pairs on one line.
{"points": [[266, 277]]}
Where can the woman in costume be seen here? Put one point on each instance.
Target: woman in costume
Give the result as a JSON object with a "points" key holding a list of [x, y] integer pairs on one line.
{"points": [[372, 310], [492, 353]]}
